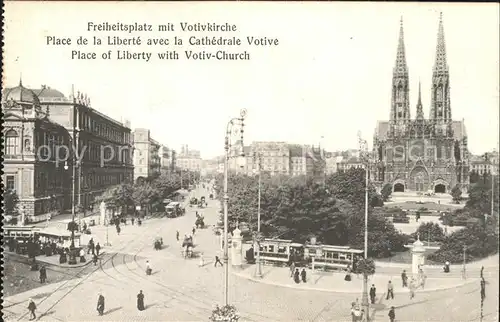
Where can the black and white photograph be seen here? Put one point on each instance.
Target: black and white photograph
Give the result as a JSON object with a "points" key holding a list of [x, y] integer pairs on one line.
{"points": [[250, 161]]}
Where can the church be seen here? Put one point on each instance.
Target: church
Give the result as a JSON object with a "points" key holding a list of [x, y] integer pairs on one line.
{"points": [[421, 154]]}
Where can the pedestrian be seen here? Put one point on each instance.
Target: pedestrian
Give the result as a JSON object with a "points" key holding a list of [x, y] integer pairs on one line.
{"points": [[148, 268], [404, 278], [100, 304], [97, 248], [373, 293], [390, 291], [94, 259], [139, 221], [392, 314], [303, 274], [177, 235], [217, 260], [296, 276], [118, 229], [412, 288], [43, 274], [202, 261], [194, 230], [292, 268], [140, 301], [82, 256], [132, 220], [84, 226], [423, 279], [90, 246], [32, 308]]}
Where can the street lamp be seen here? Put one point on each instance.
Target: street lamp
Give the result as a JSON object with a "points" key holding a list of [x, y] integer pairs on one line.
{"points": [[237, 121], [72, 257], [365, 156], [258, 273], [464, 276]]}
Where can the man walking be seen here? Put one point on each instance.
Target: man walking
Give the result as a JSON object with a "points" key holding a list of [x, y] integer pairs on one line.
{"points": [[32, 308], [392, 314], [97, 248], [217, 260], [404, 278], [100, 304], [390, 291], [43, 274], [90, 246], [373, 293], [292, 269]]}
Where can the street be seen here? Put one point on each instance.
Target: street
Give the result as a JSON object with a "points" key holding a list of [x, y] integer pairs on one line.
{"points": [[180, 290]]}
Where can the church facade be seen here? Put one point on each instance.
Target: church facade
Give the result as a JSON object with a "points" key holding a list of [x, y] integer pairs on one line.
{"points": [[421, 154]]}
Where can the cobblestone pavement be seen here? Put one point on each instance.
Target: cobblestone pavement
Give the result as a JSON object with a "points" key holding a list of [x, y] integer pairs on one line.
{"points": [[180, 290]]}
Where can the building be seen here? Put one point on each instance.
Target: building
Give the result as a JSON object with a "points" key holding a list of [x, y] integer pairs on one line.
{"points": [[147, 159], [189, 159], [46, 135], [31, 155], [168, 158], [485, 164], [421, 154], [101, 146], [279, 158]]}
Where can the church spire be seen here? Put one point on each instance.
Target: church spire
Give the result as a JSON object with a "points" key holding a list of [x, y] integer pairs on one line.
{"points": [[21, 79], [440, 96], [401, 67], [440, 65], [420, 110], [400, 106]]}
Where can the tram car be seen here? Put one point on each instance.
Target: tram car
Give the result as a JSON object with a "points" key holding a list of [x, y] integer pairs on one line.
{"points": [[283, 252], [280, 252], [329, 257]]}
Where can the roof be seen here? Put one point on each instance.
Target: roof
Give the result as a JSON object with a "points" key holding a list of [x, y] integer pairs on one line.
{"points": [[20, 94], [296, 150], [47, 92]]}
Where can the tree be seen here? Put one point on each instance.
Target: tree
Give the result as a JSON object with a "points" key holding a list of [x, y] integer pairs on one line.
{"points": [[456, 193], [480, 240], [430, 231], [386, 192], [119, 196], [11, 201], [167, 184], [365, 267], [474, 177], [350, 186], [480, 197], [146, 196]]}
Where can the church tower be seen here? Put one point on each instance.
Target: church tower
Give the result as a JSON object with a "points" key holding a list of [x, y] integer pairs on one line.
{"points": [[440, 96], [400, 102]]}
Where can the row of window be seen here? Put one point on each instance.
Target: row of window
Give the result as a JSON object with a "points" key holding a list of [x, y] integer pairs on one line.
{"points": [[104, 153], [104, 129]]}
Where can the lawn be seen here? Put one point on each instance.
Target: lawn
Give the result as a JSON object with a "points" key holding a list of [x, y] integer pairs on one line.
{"points": [[405, 257], [412, 205]]}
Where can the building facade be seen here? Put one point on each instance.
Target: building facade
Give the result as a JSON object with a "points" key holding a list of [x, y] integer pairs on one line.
{"points": [[485, 164], [189, 159], [101, 147], [421, 154], [168, 158], [147, 159], [31, 155]]}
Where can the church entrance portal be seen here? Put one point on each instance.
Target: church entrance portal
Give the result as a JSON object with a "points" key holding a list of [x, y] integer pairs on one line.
{"points": [[399, 187], [440, 188], [419, 179]]}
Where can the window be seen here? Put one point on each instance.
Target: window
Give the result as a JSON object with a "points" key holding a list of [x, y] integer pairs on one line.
{"points": [[11, 143], [10, 183]]}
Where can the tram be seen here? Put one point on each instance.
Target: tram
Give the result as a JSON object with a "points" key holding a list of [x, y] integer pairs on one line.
{"points": [[328, 257], [332, 257], [279, 251]]}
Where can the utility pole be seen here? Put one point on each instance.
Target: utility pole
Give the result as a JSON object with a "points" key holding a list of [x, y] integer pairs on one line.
{"points": [[364, 154], [227, 144], [259, 263]]}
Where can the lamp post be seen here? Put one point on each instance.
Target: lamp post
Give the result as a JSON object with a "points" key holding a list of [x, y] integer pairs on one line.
{"points": [[238, 121], [364, 154], [464, 275], [258, 272], [72, 257]]}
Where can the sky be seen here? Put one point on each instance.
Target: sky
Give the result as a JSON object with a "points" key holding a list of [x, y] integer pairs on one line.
{"points": [[329, 77]]}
